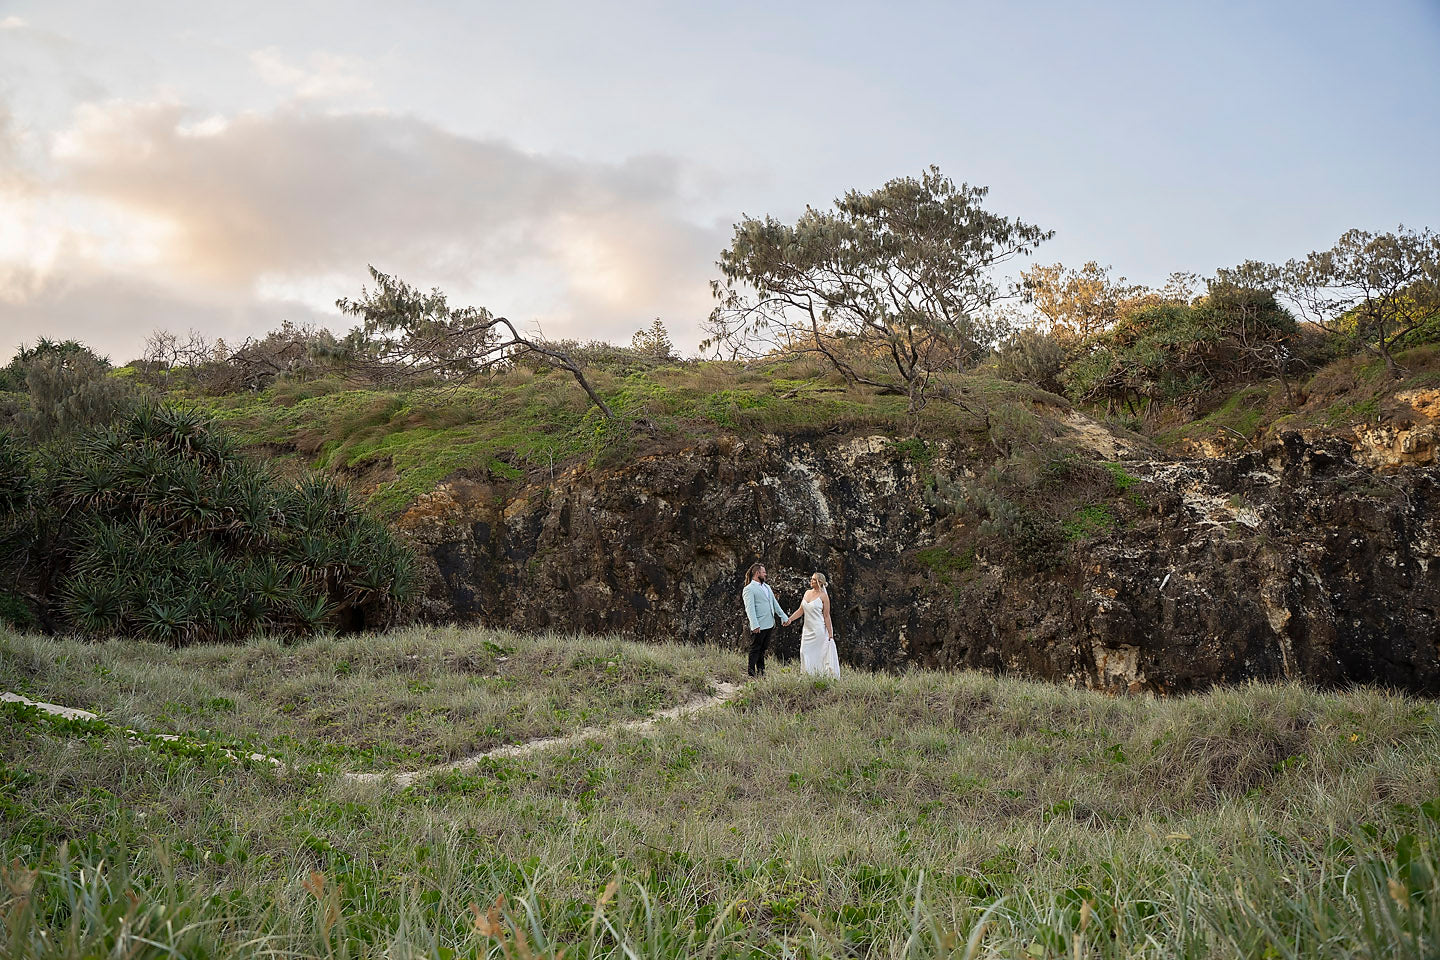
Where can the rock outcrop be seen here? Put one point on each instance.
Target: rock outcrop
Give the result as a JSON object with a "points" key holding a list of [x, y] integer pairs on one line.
{"points": [[1293, 561]]}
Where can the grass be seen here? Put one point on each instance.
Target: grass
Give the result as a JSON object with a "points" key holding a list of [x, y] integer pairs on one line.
{"points": [[402, 700], [402, 443], [916, 815], [1088, 521], [1242, 414], [1344, 392]]}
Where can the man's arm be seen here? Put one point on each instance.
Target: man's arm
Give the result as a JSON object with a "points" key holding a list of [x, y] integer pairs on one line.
{"points": [[752, 609], [775, 604]]}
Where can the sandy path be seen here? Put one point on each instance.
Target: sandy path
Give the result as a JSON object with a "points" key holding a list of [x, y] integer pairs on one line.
{"points": [[723, 692]]}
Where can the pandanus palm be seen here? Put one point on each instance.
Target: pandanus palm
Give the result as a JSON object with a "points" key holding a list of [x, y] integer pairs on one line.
{"points": [[174, 536]]}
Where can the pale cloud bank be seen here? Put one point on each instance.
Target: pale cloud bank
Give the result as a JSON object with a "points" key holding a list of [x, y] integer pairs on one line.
{"points": [[150, 214], [324, 75]]}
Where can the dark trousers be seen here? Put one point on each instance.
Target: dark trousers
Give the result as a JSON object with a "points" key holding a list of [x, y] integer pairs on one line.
{"points": [[759, 643]]}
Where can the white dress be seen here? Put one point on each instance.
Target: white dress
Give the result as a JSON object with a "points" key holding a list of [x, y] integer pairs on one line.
{"points": [[817, 650]]}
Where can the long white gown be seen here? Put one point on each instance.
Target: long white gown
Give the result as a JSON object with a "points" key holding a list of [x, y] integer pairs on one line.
{"points": [[817, 650]]}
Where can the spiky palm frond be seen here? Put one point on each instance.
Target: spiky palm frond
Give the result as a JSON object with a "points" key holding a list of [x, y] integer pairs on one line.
{"points": [[183, 431], [93, 487], [319, 502], [163, 621], [144, 425], [95, 604], [313, 612], [16, 481]]}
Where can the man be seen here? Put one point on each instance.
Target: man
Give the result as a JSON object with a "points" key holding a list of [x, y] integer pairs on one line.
{"points": [[764, 612]]}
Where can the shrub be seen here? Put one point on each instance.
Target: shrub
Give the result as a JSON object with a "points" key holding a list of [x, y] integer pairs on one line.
{"points": [[1032, 356], [292, 351], [1032, 504], [654, 341], [1174, 351], [162, 530]]}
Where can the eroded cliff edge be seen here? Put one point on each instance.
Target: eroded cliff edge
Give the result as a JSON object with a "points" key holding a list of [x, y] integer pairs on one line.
{"points": [[1290, 561]]}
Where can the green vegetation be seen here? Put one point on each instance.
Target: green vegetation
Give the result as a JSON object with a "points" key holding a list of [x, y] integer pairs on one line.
{"points": [[902, 277], [1120, 477], [873, 816], [1087, 521], [376, 702], [1033, 503], [402, 443], [1240, 416], [1172, 350], [1338, 395], [159, 528], [949, 568], [60, 388]]}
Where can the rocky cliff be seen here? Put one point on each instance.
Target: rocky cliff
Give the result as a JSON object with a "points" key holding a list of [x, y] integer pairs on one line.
{"points": [[1290, 561]]}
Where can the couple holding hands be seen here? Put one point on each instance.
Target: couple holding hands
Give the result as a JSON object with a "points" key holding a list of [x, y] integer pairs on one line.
{"points": [[817, 639]]}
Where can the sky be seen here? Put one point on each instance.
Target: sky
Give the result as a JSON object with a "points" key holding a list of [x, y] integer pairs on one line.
{"points": [[578, 166]]}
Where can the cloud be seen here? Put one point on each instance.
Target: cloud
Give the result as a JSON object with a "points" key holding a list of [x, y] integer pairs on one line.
{"points": [[13, 23], [236, 219], [115, 312], [324, 75]]}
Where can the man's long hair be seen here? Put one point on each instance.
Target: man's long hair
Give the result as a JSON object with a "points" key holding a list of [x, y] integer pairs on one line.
{"points": [[750, 574]]}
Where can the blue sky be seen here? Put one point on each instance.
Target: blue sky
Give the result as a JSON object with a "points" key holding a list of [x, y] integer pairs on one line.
{"points": [[577, 166]]}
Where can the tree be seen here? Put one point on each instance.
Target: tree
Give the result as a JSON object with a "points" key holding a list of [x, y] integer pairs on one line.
{"points": [[1032, 356], [1376, 287], [12, 376], [1077, 304], [167, 351], [71, 389], [406, 333], [653, 341], [890, 287], [294, 350], [1243, 302]]}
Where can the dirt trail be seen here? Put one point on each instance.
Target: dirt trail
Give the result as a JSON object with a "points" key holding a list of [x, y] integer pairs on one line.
{"points": [[723, 692], [404, 778]]}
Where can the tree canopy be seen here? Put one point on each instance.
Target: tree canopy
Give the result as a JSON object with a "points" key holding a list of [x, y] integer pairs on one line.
{"points": [[903, 276], [1374, 287]]}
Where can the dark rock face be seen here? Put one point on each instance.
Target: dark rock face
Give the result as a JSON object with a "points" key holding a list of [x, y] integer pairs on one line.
{"points": [[659, 550], [1290, 562]]}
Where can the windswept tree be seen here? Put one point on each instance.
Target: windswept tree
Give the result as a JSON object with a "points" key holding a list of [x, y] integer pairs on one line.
{"points": [[1374, 287], [406, 333], [166, 350], [903, 275]]}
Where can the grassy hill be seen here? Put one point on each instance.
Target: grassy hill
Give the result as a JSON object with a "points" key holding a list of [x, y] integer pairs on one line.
{"points": [[398, 444], [920, 814]]}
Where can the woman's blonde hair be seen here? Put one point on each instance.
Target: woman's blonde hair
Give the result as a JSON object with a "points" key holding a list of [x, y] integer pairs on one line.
{"points": [[821, 577]]}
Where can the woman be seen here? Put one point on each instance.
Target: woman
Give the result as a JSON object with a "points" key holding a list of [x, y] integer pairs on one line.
{"points": [[817, 639]]}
